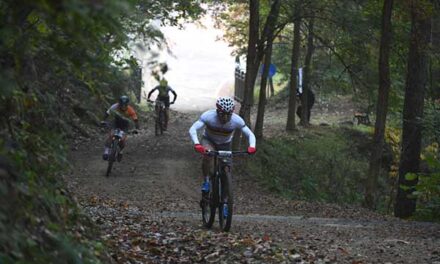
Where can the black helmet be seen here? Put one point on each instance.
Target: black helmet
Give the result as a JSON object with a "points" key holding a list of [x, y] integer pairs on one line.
{"points": [[123, 100]]}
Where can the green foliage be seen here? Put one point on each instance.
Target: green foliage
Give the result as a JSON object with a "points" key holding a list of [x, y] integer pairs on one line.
{"points": [[428, 187], [61, 62], [431, 123], [347, 35], [323, 164], [39, 221]]}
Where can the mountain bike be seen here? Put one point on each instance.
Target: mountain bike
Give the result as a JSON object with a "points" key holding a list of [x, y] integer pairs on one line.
{"points": [[115, 146], [115, 149], [220, 195], [159, 116]]}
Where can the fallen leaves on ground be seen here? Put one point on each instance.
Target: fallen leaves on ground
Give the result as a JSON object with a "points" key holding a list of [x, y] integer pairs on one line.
{"points": [[134, 236]]}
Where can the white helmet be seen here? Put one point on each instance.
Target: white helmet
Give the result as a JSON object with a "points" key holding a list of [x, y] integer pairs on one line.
{"points": [[225, 105]]}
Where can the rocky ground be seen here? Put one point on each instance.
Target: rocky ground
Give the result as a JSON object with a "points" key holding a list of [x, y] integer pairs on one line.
{"points": [[148, 212]]}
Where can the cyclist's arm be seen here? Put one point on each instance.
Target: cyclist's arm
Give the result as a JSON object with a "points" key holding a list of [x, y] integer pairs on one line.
{"points": [[250, 135], [110, 111], [174, 93], [133, 116], [115, 113], [106, 115], [193, 131], [151, 92]]}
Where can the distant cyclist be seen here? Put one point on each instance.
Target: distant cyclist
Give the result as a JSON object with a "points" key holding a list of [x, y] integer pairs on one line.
{"points": [[164, 97], [122, 113], [220, 125]]}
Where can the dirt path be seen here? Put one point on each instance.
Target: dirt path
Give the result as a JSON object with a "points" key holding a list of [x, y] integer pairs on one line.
{"points": [[148, 212]]}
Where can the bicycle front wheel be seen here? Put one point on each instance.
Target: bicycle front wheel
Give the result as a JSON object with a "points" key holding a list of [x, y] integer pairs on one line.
{"points": [[226, 205], [112, 157], [209, 204]]}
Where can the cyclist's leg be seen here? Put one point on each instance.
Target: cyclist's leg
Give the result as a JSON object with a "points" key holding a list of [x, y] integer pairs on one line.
{"points": [[156, 108], [123, 125], [108, 142], [123, 142], [166, 101], [207, 162]]}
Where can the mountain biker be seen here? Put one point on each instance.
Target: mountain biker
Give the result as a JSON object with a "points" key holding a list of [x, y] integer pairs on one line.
{"points": [[164, 97], [122, 113], [219, 124]]}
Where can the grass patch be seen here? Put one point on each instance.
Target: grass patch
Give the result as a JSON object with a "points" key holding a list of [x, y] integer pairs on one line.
{"points": [[323, 164]]}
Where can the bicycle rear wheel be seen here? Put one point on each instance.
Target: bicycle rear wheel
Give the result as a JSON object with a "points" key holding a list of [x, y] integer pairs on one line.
{"points": [[209, 204], [162, 121], [226, 205]]}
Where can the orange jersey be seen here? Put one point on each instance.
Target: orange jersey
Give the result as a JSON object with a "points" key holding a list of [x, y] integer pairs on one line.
{"points": [[129, 112]]}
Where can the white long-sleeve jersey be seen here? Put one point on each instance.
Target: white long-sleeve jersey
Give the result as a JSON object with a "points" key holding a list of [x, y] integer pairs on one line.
{"points": [[217, 132]]}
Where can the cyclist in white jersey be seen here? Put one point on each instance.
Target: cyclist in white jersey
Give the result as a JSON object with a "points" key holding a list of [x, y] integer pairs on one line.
{"points": [[220, 125]]}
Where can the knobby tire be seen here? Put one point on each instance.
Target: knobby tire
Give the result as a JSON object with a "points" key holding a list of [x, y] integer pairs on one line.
{"points": [[226, 198], [210, 205], [158, 128], [111, 157]]}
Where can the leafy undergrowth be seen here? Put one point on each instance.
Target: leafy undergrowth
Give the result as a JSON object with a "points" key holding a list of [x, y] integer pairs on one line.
{"points": [[41, 223], [135, 236], [321, 163]]}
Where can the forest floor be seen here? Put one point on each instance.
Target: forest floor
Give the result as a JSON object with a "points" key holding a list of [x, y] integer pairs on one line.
{"points": [[148, 212]]}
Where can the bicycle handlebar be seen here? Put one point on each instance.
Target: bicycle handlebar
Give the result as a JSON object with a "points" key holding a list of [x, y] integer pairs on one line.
{"points": [[108, 125], [225, 153]]}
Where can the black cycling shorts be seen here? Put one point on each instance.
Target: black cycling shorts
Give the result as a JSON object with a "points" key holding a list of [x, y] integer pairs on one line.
{"points": [[165, 100]]}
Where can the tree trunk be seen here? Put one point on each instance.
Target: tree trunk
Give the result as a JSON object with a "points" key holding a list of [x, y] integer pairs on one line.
{"points": [[251, 64], [434, 67], [307, 75], [271, 22], [271, 87], [382, 106], [291, 126], [251, 57], [416, 83], [263, 100]]}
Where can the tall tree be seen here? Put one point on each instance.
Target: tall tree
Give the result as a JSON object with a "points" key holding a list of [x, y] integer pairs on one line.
{"points": [[256, 46], [290, 126], [416, 83], [435, 62], [271, 22], [307, 73], [382, 105], [252, 62]]}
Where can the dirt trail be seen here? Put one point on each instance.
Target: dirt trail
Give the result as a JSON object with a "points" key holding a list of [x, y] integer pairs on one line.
{"points": [[155, 190]]}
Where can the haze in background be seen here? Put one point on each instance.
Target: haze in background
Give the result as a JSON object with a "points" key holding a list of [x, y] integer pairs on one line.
{"points": [[201, 68]]}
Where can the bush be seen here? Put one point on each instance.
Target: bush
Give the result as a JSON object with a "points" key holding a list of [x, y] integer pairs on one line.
{"points": [[428, 188], [324, 165]]}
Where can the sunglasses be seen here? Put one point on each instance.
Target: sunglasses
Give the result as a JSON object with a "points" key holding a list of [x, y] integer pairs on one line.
{"points": [[224, 114]]}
